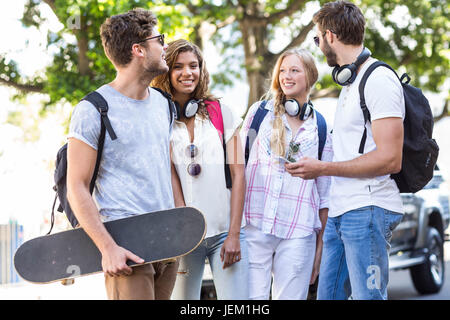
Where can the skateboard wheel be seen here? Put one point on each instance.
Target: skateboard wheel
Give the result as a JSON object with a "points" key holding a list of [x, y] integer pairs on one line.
{"points": [[67, 282]]}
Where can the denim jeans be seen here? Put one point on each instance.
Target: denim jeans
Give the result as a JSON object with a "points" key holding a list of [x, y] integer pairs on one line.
{"points": [[230, 283], [355, 258]]}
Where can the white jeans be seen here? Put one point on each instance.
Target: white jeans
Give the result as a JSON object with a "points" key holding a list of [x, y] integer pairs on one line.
{"points": [[290, 261]]}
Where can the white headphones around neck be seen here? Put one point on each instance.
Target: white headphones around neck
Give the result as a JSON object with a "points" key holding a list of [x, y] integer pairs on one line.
{"points": [[294, 109], [190, 108]]}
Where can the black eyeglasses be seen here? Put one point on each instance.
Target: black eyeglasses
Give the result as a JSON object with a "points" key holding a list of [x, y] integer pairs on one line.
{"points": [[317, 41], [193, 168], [160, 36]]}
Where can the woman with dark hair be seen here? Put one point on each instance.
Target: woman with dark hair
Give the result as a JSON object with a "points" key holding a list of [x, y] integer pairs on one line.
{"points": [[204, 135]]}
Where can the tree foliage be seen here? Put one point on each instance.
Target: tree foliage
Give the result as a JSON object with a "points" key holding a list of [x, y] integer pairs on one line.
{"points": [[79, 64], [412, 36]]}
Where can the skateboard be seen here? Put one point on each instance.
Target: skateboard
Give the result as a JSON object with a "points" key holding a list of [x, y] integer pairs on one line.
{"points": [[155, 236]]}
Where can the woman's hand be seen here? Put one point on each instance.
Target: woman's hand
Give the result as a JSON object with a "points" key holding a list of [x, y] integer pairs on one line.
{"points": [[317, 260], [231, 250]]}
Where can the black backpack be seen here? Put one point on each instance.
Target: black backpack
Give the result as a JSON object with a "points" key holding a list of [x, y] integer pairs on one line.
{"points": [[60, 174], [420, 151]]}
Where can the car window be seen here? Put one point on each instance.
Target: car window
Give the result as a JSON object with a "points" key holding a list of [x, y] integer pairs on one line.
{"points": [[435, 182]]}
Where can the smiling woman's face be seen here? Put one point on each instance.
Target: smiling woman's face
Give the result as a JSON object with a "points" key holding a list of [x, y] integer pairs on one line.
{"points": [[292, 77], [185, 73]]}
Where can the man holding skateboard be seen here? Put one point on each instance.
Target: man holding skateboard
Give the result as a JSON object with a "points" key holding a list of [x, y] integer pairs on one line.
{"points": [[135, 174]]}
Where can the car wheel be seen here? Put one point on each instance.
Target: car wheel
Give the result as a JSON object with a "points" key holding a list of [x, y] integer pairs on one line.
{"points": [[428, 277]]}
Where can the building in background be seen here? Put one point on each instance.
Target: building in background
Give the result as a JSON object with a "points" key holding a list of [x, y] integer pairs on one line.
{"points": [[11, 237]]}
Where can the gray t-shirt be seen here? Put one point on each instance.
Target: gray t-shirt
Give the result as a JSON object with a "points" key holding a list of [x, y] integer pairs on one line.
{"points": [[135, 173]]}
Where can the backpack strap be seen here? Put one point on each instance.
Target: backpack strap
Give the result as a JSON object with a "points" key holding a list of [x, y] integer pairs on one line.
{"points": [[254, 128], [172, 109], [322, 131], [102, 106], [215, 115], [105, 125], [362, 100]]}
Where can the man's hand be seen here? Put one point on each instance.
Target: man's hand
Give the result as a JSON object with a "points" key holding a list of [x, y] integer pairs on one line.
{"points": [[306, 168], [114, 261]]}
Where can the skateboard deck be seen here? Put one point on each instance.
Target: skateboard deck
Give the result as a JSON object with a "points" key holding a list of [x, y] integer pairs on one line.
{"points": [[154, 236]]}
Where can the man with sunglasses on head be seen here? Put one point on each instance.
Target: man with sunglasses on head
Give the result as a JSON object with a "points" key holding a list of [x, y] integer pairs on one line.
{"points": [[365, 203], [135, 174]]}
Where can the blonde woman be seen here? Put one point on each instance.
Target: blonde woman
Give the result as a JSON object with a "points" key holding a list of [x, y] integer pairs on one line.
{"points": [[285, 215], [204, 135]]}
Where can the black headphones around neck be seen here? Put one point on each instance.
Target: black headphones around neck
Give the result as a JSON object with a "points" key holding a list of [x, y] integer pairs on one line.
{"points": [[294, 109], [346, 74], [190, 108]]}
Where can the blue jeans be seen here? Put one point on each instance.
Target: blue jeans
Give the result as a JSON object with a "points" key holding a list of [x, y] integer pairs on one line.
{"points": [[230, 283], [355, 258]]}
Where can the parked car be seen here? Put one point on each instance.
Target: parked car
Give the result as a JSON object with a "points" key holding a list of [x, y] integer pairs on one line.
{"points": [[418, 241]]}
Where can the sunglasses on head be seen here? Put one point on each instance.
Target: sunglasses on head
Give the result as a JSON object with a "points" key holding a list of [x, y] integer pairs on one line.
{"points": [[159, 36], [193, 168]]}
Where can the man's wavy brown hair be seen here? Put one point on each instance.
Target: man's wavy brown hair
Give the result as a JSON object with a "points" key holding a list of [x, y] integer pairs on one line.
{"points": [[201, 92], [342, 18], [120, 32]]}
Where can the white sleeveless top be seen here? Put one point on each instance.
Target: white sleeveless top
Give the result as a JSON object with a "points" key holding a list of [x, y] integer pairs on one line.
{"points": [[207, 191]]}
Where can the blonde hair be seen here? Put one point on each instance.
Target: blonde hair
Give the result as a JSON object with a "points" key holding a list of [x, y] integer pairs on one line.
{"points": [[201, 91], [277, 142]]}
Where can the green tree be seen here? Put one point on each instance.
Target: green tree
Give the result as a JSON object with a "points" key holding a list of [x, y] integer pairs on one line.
{"points": [[247, 34], [412, 36], [80, 65]]}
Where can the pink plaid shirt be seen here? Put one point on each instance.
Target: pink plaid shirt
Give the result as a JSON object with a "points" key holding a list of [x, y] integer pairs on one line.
{"points": [[275, 202]]}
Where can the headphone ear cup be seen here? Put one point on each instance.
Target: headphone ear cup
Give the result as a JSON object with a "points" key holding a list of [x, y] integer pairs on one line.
{"points": [[344, 75], [339, 75], [292, 108], [352, 69], [190, 108]]}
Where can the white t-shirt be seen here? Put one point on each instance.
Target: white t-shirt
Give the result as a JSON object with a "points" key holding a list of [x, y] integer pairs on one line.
{"points": [[207, 191], [384, 98]]}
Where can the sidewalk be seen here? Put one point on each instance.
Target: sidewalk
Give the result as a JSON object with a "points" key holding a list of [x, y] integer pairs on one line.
{"points": [[85, 288]]}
